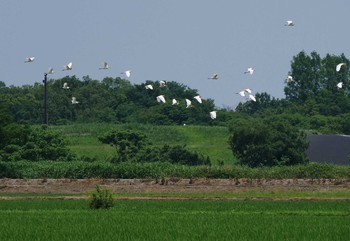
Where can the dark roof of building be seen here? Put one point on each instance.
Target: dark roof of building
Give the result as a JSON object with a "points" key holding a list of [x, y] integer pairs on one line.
{"points": [[329, 149]]}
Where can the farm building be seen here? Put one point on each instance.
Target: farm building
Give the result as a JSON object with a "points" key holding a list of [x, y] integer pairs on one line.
{"points": [[329, 149]]}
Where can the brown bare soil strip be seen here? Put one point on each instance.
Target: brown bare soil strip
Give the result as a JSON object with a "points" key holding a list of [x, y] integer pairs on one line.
{"points": [[182, 198], [79, 188]]}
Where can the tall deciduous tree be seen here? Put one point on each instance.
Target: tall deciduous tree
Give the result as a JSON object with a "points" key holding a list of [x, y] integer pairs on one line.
{"points": [[314, 76], [307, 74]]}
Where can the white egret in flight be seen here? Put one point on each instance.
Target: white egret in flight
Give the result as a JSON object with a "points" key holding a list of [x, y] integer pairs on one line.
{"points": [[289, 79], [214, 76], [248, 90], [249, 71], [252, 97], [104, 65], [198, 98], [161, 98], [148, 87], [243, 92], [175, 102], [188, 103], [74, 100], [127, 73], [68, 67], [162, 83], [338, 67], [213, 114], [289, 23], [65, 86], [340, 85], [50, 71], [29, 59]]}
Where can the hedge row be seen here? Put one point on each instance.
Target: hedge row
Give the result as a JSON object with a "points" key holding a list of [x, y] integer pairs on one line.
{"points": [[79, 169]]}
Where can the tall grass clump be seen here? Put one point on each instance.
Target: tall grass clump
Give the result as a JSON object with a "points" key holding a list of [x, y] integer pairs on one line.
{"points": [[101, 199]]}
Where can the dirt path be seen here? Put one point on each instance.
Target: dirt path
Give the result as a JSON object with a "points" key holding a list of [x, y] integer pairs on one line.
{"points": [[66, 189], [160, 198]]}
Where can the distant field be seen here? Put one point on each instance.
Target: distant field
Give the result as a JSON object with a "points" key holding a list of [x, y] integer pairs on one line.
{"points": [[209, 141], [175, 220]]}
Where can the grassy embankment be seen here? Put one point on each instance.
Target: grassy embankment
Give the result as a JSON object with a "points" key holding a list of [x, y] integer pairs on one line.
{"points": [[209, 141]]}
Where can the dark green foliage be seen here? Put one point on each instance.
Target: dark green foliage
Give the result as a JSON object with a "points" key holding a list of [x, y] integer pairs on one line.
{"points": [[109, 100], [180, 155], [264, 143], [33, 144], [316, 79], [134, 146], [22, 142], [263, 102], [127, 143], [101, 199], [5, 120]]}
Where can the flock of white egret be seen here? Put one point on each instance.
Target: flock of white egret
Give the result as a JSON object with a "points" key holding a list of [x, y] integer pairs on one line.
{"points": [[162, 83], [247, 93]]}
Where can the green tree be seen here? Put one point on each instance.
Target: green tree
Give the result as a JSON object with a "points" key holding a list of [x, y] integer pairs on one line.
{"points": [[34, 144], [257, 142], [180, 155], [127, 143], [263, 102], [316, 79], [5, 120], [307, 74], [22, 142]]}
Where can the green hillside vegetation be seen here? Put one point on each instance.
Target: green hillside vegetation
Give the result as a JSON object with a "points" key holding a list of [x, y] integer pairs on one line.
{"points": [[212, 141]]}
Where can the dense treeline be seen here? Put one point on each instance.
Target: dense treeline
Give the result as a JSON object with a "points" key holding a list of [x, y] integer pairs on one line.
{"points": [[110, 100], [313, 100]]}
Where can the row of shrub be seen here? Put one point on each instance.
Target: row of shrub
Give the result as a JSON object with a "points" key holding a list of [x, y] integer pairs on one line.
{"points": [[125, 170]]}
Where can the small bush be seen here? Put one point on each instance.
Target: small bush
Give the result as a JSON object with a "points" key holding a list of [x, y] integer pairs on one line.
{"points": [[101, 199]]}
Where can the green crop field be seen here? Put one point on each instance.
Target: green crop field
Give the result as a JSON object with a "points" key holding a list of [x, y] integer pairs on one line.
{"points": [[175, 220], [209, 141]]}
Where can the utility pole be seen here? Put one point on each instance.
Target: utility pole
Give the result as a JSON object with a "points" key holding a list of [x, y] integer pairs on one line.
{"points": [[46, 114]]}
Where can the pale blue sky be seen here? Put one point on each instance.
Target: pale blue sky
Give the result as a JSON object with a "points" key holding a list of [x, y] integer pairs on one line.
{"points": [[180, 40]]}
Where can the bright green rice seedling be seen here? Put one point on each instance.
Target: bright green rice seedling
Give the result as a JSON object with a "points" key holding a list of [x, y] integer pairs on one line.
{"points": [[176, 220]]}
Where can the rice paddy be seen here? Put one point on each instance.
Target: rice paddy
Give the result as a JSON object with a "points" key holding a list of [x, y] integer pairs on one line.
{"points": [[175, 220]]}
